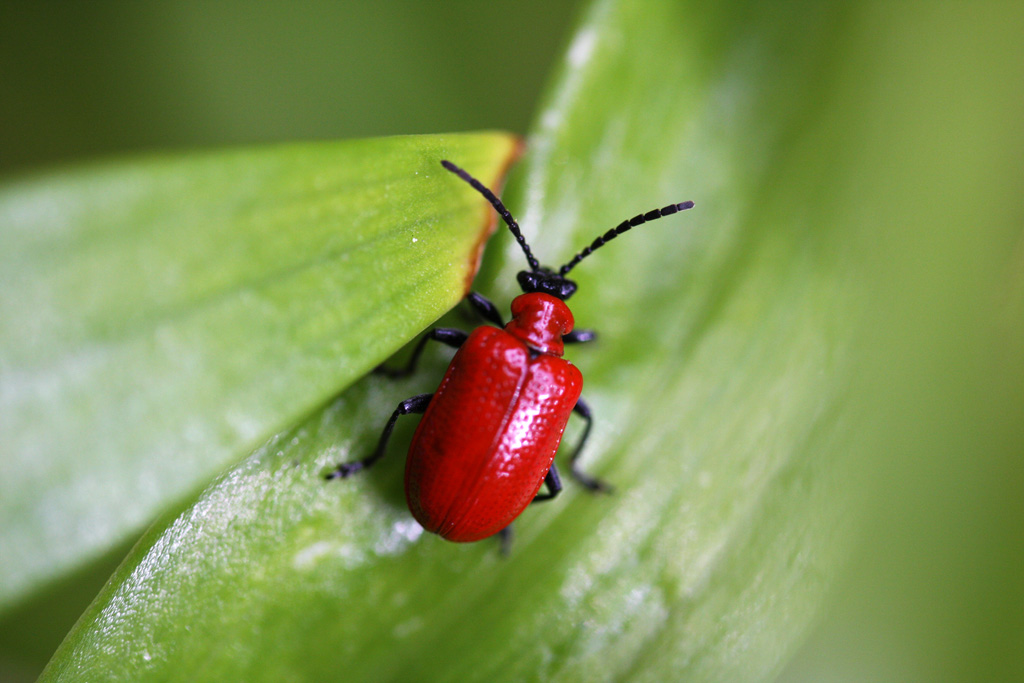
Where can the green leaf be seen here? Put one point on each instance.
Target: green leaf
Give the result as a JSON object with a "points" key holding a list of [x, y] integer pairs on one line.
{"points": [[160, 318], [751, 384]]}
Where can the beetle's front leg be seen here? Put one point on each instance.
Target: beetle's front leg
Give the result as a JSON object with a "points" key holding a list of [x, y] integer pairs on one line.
{"points": [[484, 308], [446, 335], [416, 404], [592, 483]]}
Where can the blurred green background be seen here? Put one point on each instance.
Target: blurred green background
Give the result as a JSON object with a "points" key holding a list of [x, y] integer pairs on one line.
{"points": [[79, 80], [936, 590]]}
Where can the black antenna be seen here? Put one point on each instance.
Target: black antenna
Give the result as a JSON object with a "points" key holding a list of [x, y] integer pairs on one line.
{"points": [[621, 228], [500, 208]]}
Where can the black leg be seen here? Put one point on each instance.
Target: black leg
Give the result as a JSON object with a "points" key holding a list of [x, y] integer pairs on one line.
{"points": [[554, 484], [484, 308], [592, 483], [579, 337], [416, 404], [505, 537], [446, 335]]}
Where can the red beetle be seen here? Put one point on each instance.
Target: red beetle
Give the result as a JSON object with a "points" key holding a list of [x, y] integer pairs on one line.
{"points": [[488, 437]]}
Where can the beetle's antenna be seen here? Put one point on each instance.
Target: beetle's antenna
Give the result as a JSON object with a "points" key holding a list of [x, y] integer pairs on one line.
{"points": [[621, 228], [500, 208]]}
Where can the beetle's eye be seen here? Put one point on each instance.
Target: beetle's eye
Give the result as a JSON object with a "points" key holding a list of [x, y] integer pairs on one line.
{"points": [[566, 289], [527, 281]]}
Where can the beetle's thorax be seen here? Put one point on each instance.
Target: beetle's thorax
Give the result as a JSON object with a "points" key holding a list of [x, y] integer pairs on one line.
{"points": [[540, 320]]}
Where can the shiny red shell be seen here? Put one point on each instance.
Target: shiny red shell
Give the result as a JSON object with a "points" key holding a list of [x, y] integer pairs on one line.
{"points": [[490, 433]]}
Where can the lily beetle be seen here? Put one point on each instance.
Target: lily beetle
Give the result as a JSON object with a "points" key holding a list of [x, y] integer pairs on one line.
{"points": [[486, 443]]}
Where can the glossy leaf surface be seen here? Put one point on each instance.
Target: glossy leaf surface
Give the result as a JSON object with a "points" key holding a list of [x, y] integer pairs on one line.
{"points": [[160, 318]]}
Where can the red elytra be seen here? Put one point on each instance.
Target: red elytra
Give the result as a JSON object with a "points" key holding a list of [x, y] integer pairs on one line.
{"points": [[487, 441], [490, 433]]}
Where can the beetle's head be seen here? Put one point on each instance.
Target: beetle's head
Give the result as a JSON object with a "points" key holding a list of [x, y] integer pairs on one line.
{"points": [[546, 281]]}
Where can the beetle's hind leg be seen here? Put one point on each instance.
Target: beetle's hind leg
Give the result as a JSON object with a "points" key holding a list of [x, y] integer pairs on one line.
{"points": [[416, 404], [505, 537], [554, 484], [592, 483]]}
